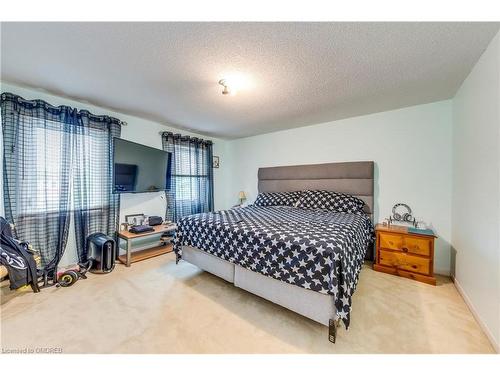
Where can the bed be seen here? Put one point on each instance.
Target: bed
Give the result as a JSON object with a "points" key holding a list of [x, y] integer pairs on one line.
{"points": [[303, 259]]}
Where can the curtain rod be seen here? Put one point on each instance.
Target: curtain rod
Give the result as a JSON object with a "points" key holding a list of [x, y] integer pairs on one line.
{"points": [[36, 102], [207, 141]]}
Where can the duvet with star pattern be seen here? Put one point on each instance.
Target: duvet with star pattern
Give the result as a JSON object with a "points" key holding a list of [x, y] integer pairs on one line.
{"points": [[313, 249]]}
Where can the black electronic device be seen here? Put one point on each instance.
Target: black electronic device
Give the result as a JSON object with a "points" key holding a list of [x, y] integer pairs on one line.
{"points": [[155, 220], [139, 169], [141, 229], [101, 252]]}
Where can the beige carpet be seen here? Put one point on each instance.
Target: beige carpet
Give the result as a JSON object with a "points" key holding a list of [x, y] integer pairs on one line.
{"points": [[158, 307]]}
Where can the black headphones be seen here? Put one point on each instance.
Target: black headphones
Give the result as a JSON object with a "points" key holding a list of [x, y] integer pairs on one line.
{"points": [[402, 215]]}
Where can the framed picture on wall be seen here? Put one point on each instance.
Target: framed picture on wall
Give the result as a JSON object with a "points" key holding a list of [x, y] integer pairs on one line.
{"points": [[215, 162]]}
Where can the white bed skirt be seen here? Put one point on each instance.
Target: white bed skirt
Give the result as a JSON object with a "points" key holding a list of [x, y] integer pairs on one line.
{"points": [[313, 305]]}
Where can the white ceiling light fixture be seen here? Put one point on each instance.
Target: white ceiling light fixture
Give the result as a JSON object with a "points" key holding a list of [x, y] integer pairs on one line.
{"points": [[226, 90], [234, 83]]}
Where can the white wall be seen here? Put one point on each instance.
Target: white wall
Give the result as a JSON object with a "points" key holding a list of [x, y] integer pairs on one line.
{"points": [[141, 131], [411, 148], [476, 189]]}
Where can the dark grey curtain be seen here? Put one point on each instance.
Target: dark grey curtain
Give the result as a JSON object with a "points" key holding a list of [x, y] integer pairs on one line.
{"points": [[37, 168], [191, 187], [45, 172], [96, 208]]}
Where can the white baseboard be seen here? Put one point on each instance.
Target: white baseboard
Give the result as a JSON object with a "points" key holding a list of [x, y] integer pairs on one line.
{"points": [[476, 315]]}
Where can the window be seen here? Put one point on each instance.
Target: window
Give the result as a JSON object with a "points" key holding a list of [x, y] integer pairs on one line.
{"points": [[191, 189], [46, 194], [57, 170], [46, 154], [188, 176]]}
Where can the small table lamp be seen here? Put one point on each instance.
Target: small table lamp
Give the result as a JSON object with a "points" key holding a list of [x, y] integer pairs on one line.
{"points": [[242, 196]]}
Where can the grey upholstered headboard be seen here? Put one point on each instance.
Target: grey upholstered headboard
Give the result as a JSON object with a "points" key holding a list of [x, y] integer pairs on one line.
{"points": [[354, 178]]}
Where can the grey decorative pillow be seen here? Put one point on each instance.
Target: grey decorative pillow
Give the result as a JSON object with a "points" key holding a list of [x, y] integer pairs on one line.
{"points": [[330, 200], [282, 198]]}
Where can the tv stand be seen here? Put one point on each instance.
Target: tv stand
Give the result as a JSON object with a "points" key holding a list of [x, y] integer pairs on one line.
{"points": [[136, 256]]}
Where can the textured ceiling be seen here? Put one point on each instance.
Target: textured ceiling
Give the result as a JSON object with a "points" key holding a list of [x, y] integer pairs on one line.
{"points": [[299, 73]]}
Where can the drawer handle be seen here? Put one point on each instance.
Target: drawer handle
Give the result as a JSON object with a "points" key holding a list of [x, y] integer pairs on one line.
{"points": [[405, 249]]}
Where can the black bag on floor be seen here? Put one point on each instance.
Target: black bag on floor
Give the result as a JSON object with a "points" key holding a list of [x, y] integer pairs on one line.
{"points": [[16, 257]]}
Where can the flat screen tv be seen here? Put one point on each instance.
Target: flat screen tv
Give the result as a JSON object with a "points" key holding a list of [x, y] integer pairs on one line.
{"points": [[139, 169]]}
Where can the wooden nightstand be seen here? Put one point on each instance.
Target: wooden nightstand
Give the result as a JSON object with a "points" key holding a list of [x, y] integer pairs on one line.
{"points": [[404, 252]]}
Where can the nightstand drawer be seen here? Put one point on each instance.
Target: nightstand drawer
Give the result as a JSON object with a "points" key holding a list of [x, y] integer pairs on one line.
{"points": [[404, 262], [406, 244], [420, 246], [391, 241]]}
